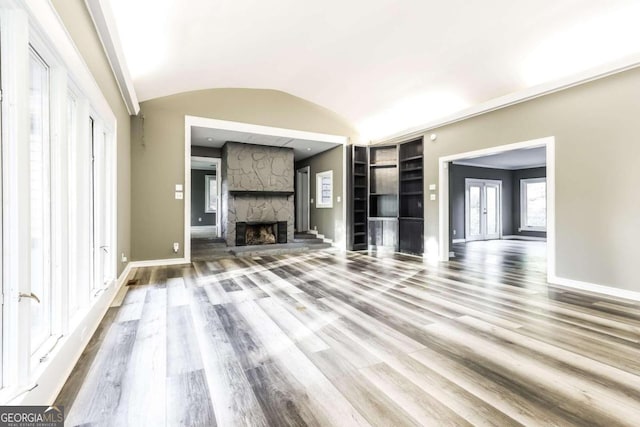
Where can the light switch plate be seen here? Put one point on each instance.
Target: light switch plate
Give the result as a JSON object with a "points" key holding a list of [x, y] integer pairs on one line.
{"points": [[433, 197], [432, 187], [178, 187], [179, 195], [338, 199]]}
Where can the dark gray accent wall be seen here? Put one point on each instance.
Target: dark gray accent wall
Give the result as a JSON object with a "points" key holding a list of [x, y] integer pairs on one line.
{"points": [[510, 197], [199, 151], [457, 176], [198, 199], [517, 176]]}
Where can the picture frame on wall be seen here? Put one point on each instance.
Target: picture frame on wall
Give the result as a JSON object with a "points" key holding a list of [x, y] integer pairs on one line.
{"points": [[324, 189]]}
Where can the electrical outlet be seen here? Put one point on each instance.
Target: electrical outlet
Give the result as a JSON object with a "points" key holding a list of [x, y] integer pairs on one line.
{"points": [[199, 219], [123, 257], [454, 232], [176, 247]]}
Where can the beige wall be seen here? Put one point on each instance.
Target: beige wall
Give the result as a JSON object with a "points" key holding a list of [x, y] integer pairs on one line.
{"points": [[77, 20], [328, 222], [157, 152], [597, 131]]}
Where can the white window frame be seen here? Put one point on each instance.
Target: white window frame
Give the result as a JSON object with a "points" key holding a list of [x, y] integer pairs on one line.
{"points": [[324, 178], [35, 24], [523, 204], [207, 188]]}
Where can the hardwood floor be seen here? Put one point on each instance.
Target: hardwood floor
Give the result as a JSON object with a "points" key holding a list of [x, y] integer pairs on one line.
{"points": [[325, 338]]}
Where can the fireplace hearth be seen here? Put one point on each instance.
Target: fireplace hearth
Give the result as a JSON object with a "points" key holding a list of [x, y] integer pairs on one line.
{"points": [[261, 233]]}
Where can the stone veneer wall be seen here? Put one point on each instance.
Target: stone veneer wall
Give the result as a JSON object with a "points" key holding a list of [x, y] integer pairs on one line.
{"points": [[248, 167]]}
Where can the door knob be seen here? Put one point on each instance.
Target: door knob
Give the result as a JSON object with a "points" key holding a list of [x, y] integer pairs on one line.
{"points": [[29, 295]]}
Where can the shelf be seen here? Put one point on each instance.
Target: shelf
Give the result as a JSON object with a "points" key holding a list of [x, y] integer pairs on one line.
{"points": [[408, 159], [360, 233], [383, 194], [383, 165], [418, 168], [358, 223], [411, 179], [359, 162], [412, 193], [359, 186], [359, 199], [383, 218], [359, 211], [411, 218]]}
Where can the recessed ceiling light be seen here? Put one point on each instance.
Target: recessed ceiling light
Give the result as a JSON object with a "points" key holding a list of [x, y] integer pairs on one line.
{"points": [[308, 148], [209, 139]]}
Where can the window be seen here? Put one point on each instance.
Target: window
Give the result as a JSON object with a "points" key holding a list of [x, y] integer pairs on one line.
{"points": [[40, 203], [533, 204], [324, 189], [211, 193]]}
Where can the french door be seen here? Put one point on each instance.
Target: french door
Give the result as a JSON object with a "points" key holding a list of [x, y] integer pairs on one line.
{"points": [[483, 201]]}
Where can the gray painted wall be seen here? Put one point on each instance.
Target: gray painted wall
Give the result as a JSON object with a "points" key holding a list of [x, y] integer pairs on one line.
{"points": [[328, 221], [198, 198], [457, 176], [596, 130], [157, 152], [517, 176], [510, 197]]}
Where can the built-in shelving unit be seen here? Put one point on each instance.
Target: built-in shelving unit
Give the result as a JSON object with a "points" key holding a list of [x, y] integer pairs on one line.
{"points": [[358, 198], [387, 197], [411, 197], [383, 196]]}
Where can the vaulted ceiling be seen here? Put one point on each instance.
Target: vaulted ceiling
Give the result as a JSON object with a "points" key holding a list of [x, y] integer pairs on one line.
{"points": [[384, 65]]}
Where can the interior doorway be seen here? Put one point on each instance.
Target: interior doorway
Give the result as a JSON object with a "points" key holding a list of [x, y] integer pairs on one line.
{"points": [[483, 209], [504, 195], [205, 197], [302, 199]]}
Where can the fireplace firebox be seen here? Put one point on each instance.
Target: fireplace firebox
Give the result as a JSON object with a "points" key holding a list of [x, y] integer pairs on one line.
{"points": [[261, 233]]}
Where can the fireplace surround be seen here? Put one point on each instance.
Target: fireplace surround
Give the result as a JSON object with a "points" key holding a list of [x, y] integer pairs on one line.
{"points": [[257, 189]]}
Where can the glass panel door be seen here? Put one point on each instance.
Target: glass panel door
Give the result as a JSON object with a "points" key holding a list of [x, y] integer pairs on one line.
{"points": [[492, 210], [39, 192], [482, 209], [474, 211]]}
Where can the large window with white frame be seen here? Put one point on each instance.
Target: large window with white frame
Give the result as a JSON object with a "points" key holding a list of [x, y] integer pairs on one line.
{"points": [[533, 204], [57, 198], [39, 161]]}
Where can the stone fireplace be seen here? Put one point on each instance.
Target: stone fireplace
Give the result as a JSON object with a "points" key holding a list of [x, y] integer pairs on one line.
{"points": [[257, 194]]}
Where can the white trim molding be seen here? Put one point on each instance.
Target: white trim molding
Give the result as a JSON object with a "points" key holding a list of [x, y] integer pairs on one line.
{"points": [[530, 238], [104, 22], [159, 262], [592, 287]]}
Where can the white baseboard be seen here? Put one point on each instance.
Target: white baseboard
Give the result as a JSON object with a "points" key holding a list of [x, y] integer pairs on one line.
{"points": [[586, 286], [159, 262], [458, 241], [531, 238]]}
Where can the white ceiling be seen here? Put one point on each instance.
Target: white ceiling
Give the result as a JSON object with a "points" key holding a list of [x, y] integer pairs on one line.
{"points": [[384, 65], [302, 148], [514, 159]]}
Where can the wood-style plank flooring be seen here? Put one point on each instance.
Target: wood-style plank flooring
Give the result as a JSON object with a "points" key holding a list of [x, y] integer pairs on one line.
{"points": [[334, 339]]}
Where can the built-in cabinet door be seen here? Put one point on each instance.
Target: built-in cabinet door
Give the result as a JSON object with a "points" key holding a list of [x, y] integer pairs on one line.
{"points": [[483, 209]]}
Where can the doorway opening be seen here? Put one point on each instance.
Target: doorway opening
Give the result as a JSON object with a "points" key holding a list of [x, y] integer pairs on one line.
{"points": [[302, 199], [205, 200], [500, 194]]}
